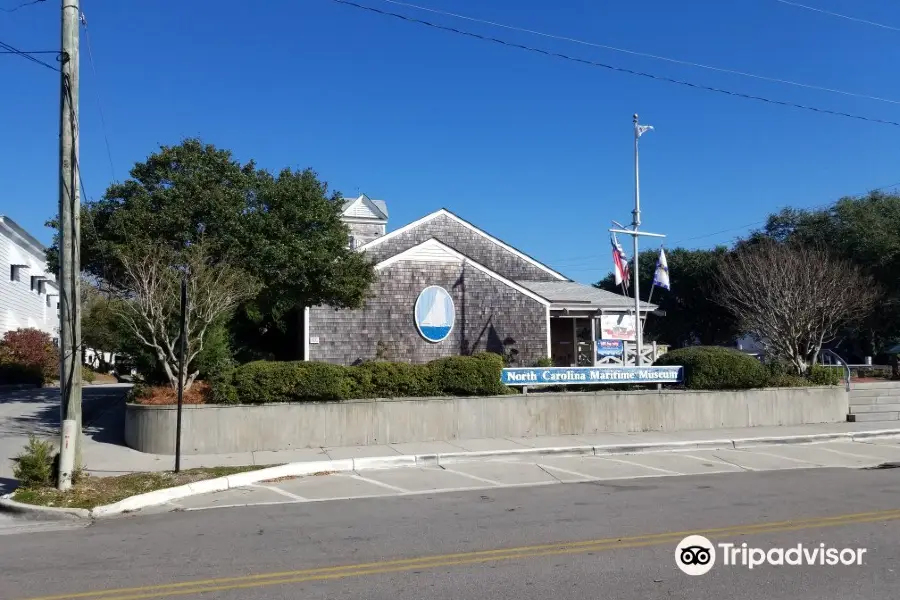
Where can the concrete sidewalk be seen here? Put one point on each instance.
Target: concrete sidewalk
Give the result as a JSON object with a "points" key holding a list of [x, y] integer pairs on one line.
{"points": [[104, 453], [104, 459]]}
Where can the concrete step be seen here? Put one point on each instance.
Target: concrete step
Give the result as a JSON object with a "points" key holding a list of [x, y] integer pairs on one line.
{"points": [[874, 385], [873, 408], [892, 399], [879, 416], [874, 392]]}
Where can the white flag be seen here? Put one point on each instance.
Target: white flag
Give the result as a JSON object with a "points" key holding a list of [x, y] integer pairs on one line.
{"points": [[661, 277], [640, 130]]}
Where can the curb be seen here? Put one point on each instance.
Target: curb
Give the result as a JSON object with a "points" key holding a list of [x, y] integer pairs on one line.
{"points": [[46, 513], [301, 469]]}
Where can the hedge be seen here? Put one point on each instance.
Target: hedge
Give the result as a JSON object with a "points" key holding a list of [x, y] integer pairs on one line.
{"points": [[265, 382], [718, 368]]}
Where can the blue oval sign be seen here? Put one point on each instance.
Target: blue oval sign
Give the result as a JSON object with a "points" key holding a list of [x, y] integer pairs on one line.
{"points": [[435, 314]]}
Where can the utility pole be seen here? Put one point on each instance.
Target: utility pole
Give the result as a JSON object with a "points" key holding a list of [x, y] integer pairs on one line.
{"points": [[69, 249]]}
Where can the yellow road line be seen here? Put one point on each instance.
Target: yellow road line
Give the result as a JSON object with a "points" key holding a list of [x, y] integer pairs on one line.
{"points": [[462, 558]]}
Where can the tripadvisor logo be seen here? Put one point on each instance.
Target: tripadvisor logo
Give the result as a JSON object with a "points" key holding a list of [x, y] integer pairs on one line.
{"points": [[696, 555]]}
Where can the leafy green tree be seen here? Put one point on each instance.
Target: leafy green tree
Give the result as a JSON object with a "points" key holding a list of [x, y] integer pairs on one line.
{"points": [[285, 230], [693, 316], [866, 232], [293, 234]]}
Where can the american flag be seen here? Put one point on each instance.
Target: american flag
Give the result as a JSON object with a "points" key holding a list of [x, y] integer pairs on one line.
{"points": [[620, 262]]}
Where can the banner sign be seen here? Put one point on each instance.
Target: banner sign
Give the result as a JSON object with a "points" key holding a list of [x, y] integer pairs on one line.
{"points": [[591, 375], [617, 327], [610, 348]]}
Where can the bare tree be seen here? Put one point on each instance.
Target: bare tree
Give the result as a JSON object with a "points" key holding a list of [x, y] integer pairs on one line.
{"points": [[793, 298], [151, 290]]}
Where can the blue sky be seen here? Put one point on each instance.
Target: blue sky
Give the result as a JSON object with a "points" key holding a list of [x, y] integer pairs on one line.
{"points": [[534, 149]]}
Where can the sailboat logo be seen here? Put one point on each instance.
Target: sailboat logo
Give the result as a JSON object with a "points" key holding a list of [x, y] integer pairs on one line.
{"points": [[435, 313]]}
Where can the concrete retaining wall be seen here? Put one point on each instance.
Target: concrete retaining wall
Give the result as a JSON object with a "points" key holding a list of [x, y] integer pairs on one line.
{"points": [[220, 429]]}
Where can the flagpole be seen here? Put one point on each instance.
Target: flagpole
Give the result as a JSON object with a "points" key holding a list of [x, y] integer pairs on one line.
{"points": [[636, 222], [635, 232]]}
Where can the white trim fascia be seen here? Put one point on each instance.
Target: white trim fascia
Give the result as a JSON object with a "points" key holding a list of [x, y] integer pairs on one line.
{"points": [[306, 333], [351, 205], [368, 201], [470, 227], [549, 349], [363, 220], [24, 240], [456, 256], [603, 310]]}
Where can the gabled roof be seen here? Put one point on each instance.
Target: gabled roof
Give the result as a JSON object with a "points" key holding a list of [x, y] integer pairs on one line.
{"points": [[573, 295], [432, 250], [20, 232], [377, 209], [446, 213]]}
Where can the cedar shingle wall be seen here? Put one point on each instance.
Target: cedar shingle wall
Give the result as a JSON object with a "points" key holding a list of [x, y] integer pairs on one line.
{"points": [[464, 241], [488, 313]]}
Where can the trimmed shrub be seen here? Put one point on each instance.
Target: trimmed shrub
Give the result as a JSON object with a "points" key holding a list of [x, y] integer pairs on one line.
{"points": [[717, 368], [786, 380], [395, 380], [265, 382], [35, 465], [821, 375], [543, 363], [18, 374], [478, 375], [31, 348]]}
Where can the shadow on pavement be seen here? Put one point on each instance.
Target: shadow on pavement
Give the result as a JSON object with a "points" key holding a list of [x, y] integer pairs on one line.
{"points": [[7, 485], [37, 411]]}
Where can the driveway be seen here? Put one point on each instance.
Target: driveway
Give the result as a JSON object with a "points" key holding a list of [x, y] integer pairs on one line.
{"points": [[36, 411]]}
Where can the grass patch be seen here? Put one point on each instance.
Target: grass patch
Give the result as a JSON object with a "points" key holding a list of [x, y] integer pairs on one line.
{"points": [[89, 492]]}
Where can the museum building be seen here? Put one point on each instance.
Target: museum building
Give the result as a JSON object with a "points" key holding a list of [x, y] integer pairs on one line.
{"points": [[445, 287]]}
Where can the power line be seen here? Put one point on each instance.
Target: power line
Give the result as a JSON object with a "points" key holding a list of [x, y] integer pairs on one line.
{"points": [[25, 55], [30, 52], [22, 5], [645, 54], [618, 69], [839, 15], [87, 37]]}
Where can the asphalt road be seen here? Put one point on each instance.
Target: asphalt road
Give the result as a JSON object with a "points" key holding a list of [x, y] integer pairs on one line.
{"points": [[530, 470], [607, 539]]}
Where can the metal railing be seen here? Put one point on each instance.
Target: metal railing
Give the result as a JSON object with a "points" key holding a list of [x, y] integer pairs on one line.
{"points": [[835, 356]]}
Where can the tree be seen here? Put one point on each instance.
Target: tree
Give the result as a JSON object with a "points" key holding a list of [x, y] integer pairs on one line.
{"points": [[692, 315], [293, 230], [285, 230], [30, 348], [151, 306], [863, 231], [100, 325], [793, 298]]}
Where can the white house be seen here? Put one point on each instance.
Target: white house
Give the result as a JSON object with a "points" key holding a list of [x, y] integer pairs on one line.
{"points": [[29, 296]]}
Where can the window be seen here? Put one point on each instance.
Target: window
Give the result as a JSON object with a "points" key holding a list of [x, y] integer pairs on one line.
{"points": [[14, 272]]}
